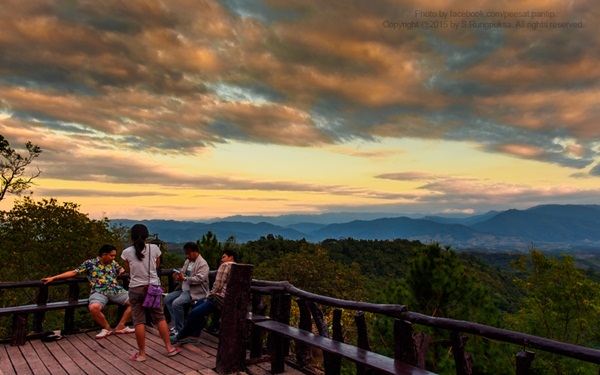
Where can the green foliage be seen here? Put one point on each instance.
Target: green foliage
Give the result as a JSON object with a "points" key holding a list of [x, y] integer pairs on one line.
{"points": [[549, 297], [440, 285], [376, 258], [314, 271], [311, 269], [12, 168], [561, 304], [39, 239], [170, 259], [269, 247], [495, 272], [231, 244], [381, 328], [44, 238], [210, 249]]}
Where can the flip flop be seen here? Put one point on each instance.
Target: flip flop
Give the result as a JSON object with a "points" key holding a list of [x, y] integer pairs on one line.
{"points": [[137, 357], [174, 352]]}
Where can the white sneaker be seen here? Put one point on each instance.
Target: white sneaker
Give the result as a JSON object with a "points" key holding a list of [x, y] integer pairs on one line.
{"points": [[124, 331], [104, 333]]}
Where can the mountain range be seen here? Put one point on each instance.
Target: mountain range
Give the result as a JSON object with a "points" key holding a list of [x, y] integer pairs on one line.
{"points": [[545, 227]]}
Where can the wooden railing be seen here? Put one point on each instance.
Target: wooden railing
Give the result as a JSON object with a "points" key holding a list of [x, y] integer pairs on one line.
{"points": [[20, 331], [246, 295], [408, 347]]}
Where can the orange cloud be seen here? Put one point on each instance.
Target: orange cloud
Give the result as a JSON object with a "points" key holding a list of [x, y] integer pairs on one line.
{"points": [[520, 150]]}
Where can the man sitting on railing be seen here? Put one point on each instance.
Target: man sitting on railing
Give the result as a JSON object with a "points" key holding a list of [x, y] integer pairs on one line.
{"points": [[193, 277], [102, 273], [212, 303]]}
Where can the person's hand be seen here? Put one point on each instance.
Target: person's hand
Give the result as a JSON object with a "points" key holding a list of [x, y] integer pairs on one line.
{"points": [[47, 280], [176, 276]]}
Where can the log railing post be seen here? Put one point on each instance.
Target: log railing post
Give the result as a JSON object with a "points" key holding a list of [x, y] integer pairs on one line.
{"points": [[405, 349], [323, 330], [303, 353], [256, 334], [231, 352], [335, 362], [70, 312], [463, 361], [279, 347], [524, 360], [318, 318], [42, 299], [362, 340], [19, 330]]}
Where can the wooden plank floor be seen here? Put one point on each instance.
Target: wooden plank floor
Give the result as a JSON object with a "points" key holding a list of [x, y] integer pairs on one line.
{"points": [[83, 354]]}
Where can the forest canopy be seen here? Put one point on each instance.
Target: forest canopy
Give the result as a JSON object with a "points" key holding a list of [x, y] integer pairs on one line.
{"points": [[537, 294]]}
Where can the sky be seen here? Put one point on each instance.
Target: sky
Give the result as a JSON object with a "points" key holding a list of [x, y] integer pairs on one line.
{"points": [[192, 109]]}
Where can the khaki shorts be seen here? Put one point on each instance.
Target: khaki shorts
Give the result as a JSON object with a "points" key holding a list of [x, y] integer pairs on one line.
{"points": [[138, 312], [119, 299]]}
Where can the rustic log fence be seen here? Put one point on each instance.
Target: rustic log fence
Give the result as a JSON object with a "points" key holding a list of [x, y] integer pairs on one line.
{"points": [[246, 295], [20, 331], [408, 347]]}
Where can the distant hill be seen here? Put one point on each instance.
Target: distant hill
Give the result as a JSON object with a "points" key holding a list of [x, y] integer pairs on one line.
{"points": [[306, 227], [299, 219], [391, 228], [552, 223], [183, 231], [546, 227], [470, 220]]}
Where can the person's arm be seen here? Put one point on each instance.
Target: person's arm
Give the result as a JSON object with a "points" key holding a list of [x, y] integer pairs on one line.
{"points": [[157, 257], [120, 269], [126, 266], [64, 275], [179, 276]]}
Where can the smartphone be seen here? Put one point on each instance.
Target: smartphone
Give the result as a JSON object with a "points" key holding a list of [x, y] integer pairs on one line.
{"points": [[177, 271]]}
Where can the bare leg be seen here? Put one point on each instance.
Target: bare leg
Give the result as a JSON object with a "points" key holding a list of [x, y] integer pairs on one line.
{"points": [[98, 315], [124, 319], [140, 337], [163, 331]]}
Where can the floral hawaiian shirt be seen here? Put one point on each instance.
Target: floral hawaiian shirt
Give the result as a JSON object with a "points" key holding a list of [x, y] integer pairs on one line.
{"points": [[102, 277]]}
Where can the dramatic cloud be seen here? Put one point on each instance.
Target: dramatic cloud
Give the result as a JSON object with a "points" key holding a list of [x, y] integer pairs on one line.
{"points": [[468, 192], [96, 83]]}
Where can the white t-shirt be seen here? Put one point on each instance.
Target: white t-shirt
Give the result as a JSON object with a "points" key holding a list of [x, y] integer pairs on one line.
{"points": [[138, 269]]}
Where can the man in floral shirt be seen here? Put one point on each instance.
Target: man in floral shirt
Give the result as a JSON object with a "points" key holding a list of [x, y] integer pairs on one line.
{"points": [[102, 272]]}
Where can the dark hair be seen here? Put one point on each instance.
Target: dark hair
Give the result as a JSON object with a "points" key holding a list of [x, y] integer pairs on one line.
{"points": [[139, 233], [191, 246], [230, 253], [105, 249]]}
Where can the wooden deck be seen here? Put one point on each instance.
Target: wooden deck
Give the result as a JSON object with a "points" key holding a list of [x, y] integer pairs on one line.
{"points": [[83, 354]]}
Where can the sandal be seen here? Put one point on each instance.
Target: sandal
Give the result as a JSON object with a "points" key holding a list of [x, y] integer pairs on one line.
{"points": [[173, 352], [137, 357]]}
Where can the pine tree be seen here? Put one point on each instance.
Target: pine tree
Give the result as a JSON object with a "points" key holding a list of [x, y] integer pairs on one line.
{"points": [[561, 304], [441, 285], [210, 249]]}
